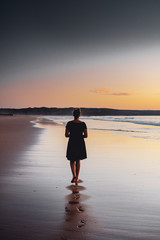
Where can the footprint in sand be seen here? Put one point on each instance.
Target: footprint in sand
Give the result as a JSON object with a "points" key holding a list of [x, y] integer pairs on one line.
{"points": [[80, 209], [81, 224], [76, 196], [67, 210]]}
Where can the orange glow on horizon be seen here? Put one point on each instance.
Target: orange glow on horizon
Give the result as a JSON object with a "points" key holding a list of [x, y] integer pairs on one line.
{"points": [[120, 85], [51, 95]]}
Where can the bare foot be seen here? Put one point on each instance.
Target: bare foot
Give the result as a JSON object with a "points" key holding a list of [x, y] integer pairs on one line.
{"points": [[78, 180], [73, 180]]}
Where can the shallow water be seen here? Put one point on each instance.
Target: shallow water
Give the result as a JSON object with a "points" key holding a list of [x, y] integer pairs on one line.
{"points": [[134, 126]]}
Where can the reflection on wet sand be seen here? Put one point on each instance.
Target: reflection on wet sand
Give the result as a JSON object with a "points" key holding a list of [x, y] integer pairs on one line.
{"points": [[75, 210], [76, 215]]}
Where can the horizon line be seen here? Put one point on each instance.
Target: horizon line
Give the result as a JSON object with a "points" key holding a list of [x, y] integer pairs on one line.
{"points": [[81, 108]]}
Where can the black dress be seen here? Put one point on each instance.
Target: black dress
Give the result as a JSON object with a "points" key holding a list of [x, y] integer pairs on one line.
{"points": [[76, 149]]}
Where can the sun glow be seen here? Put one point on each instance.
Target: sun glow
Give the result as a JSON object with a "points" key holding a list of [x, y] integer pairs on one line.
{"points": [[128, 81]]}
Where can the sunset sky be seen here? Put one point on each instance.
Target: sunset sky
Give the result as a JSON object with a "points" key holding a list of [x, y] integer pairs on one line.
{"points": [[80, 53]]}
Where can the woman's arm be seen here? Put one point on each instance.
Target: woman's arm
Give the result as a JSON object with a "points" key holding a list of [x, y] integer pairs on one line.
{"points": [[67, 133], [85, 135]]}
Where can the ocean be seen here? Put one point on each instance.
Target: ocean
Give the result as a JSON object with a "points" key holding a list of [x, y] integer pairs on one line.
{"points": [[147, 127]]}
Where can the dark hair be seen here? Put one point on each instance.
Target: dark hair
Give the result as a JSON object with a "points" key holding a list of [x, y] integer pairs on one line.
{"points": [[77, 112]]}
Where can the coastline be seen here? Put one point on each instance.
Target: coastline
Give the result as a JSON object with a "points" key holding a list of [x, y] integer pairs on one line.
{"points": [[118, 198], [67, 111]]}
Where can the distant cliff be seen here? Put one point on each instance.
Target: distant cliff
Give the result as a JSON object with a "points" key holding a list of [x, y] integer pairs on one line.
{"points": [[85, 111]]}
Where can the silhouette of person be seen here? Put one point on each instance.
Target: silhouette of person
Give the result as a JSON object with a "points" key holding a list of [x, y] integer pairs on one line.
{"points": [[76, 130]]}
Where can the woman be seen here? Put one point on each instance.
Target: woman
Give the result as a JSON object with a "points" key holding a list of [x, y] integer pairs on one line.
{"points": [[76, 130]]}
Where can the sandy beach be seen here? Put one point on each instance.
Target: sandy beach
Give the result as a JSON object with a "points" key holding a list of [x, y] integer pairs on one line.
{"points": [[118, 198], [16, 132]]}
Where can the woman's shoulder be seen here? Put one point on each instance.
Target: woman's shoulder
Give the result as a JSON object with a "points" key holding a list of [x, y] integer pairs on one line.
{"points": [[77, 122], [84, 124], [69, 122], [72, 122]]}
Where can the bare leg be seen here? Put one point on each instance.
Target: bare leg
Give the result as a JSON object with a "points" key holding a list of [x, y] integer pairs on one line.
{"points": [[77, 169], [73, 169]]}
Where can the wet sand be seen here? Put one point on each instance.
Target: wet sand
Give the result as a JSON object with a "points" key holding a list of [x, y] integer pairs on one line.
{"points": [[118, 198], [16, 132]]}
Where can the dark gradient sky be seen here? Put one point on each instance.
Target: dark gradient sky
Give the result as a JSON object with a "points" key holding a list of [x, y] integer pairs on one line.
{"points": [[37, 34]]}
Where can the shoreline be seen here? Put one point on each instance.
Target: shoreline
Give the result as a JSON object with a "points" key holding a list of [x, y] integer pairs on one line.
{"points": [[17, 134]]}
